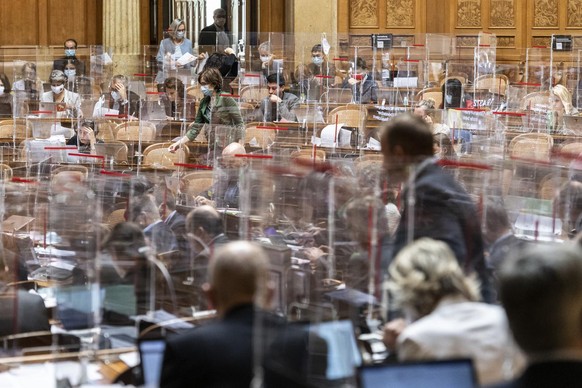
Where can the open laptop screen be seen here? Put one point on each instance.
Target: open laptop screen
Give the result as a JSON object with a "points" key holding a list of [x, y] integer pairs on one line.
{"points": [[434, 374]]}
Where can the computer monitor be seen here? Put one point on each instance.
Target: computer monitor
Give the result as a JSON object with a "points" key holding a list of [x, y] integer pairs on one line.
{"points": [[457, 373]]}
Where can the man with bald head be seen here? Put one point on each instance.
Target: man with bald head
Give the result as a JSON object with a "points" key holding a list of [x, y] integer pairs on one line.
{"points": [[225, 192], [220, 354]]}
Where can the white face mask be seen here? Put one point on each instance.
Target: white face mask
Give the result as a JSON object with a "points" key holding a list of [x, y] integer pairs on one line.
{"points": [[265, 58], [448, 98], [180, 35], [70, 73], [205, 90], [57, 89], [115, 95], [1, 90], [317, 60]]}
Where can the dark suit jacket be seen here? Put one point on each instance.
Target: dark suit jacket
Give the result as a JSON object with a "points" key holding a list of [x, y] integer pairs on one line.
{"points": [[22, 312], [444, 211], [207, 36], [219, 354], [131, 108], [550, 374]]}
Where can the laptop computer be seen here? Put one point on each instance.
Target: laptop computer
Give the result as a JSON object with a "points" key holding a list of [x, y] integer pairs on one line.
{"points": [[458, 373]]}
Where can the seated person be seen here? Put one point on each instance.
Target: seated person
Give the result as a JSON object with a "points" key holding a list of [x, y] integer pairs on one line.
{"points": [[146, 214], [222, 353], [69, 102], [176, 101], [422, 109], [561, 105], [70, 58], [85, 138], [21, 311], [5, 97], [317, 75], [29, 83], [227, 64], [119, 99], [443, 147], [362, 83], [444, 319], [280, 104]]}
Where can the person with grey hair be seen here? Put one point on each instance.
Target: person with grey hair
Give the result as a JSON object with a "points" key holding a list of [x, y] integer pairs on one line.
{"points": [[171, 49], [541, 291], [69, 103], [220, 354], [215, 36], [118, 98], [444, 318]]}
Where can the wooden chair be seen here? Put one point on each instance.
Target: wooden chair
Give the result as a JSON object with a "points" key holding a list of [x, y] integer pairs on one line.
{"points": [[352, 116], [106, 130], [130, 131], [115, 217], [536, 100], [434, 94], [463, 77], [257, 137], [533, 146], [550, 185], [84, 171], [308, 155], [495, 83], [194, 92], [157, 156], [253, 94], [15, 128], [198, 182], [113, 149], [571, 149]]}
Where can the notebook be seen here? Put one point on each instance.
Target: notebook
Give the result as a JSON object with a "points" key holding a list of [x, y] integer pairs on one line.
{"points": [[435, 374]]}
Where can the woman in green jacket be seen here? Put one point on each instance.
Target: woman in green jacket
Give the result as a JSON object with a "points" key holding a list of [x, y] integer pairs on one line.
{"points": [[219, 114]]}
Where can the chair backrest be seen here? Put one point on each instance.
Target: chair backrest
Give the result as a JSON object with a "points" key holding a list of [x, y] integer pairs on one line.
{"points": [[106, 130], [81, 169], [571, 149], [258, 137], [115, 149], [115, 217], [533, 146], [495, 83], [308, 155], [353, 116], [253, 93], [158, 156], [434, 94], [550, 185], [463, 77], [536, 100], [5, 172], [194, 92], [131, 131], [198, 182], [18, 130]]}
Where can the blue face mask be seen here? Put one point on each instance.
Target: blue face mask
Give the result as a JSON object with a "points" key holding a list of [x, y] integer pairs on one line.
{"points": [[205, 90], [70, 52], [317, 60]]}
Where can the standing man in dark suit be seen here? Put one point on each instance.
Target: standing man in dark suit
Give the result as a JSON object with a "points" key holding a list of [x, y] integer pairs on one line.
{"points": [[441, 209], [220, 354], [215, 36], [70, 58], [541, 291]]}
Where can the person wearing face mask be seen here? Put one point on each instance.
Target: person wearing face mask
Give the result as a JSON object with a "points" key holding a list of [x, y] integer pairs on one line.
{"points": [[215, 37], [280, 104], [5, 97], [171, 49], [321, 74], [216, 110], [176, 102], [70, 58], [362, 83], [69, 103]]}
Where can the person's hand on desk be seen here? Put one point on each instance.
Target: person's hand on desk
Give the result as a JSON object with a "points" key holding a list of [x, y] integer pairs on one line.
{"points": [[392, 330], [200, 201]]}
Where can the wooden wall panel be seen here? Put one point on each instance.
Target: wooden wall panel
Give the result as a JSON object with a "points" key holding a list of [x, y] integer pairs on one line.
{"points": [[19, 21], [50, 22]]}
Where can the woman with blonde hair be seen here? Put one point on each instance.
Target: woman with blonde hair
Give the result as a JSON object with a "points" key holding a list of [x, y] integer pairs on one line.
{"points": [[444, 318], [560, 106]]}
